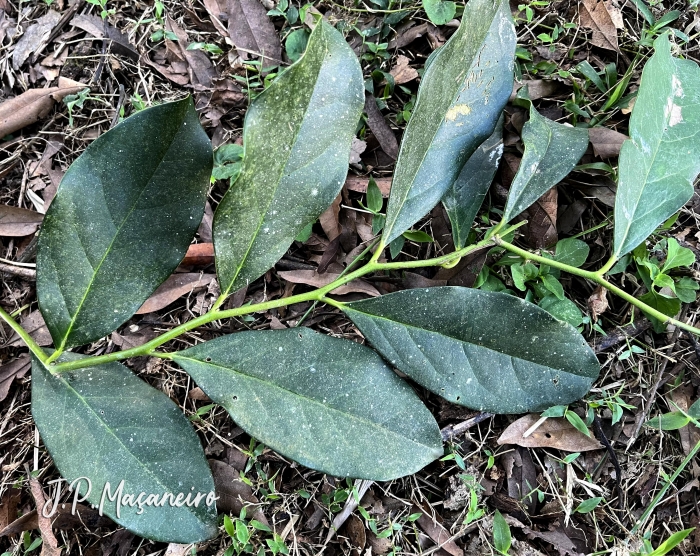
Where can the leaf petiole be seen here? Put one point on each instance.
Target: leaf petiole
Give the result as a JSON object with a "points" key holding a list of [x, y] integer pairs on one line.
{"points": [[28, 340]]}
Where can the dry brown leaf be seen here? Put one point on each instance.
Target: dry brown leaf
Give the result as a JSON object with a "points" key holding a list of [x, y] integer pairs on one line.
{"points": [[200, 68], [380, 128], [413, 280], [553, 433], [521, 475], [96, 26], [536, 88], [355, 531], [18, 222], [218, 13], [252, 31], [232, 492], [402, 72], [173, 288], [34, 104], [682, 399], [329, 219], [34, 38], [49, 546], [8, 506], [408, 35], [313, 278], [35, 326], [606, 142], [595, 15], [8, 373], [598, 302], [437, 533], [542, 220], [604, 193], [199, 254], [175, 549], [556, 537], [359, 184]]}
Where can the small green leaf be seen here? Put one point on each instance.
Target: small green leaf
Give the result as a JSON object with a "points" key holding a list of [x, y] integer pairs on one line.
{"points": [[489, 351], [577, 422], [517, 272], [589, 505], [563, 309], [297, 145], [667, 305], [571, 251], [694, 410], [466, 194], [396, 246], [677, 256], [296, 44], [668, 421], [439, 12], [121, 222], [553, 285], [330, 404], [460, 99], [555, 411], [106, 424], [658, 163], [672, 542], [501, 534], [685, 289], [418, 236], [551, 152], [305, 234], [374, 196]]}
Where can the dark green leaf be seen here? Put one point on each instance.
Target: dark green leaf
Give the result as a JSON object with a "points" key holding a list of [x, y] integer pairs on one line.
{"points": [[677, 256], [571, 251], [667, 305], [296, 44], [577, 423], [374, 196], [330, 404], [553, 285], [668, 421], [694, 410], [418, 236], [106, 424], [658, 164], [460, 99], [551, 152], [501, 534], [297, 138], [686, 289], [555, 411], [396, 246], [488, 351], [466, 194], [439, 12], [563, 309], [121, 222]]}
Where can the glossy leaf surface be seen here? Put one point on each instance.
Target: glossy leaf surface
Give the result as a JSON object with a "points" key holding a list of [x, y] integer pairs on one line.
{"points": [[106, 424], [551, 152], [460, 99], [330, 404], [466, 194], [123, 217], [659, 162], [486, 350], [297, 139]]}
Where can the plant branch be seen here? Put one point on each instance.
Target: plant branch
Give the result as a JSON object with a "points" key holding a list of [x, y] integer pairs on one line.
{"points": [[598, 278], [28, 340]]}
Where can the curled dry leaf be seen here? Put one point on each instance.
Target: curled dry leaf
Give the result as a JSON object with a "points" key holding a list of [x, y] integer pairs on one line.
{"points": [[402, 72], [9, 372], [33, 105], [598, 302], [252, 31], [34, 38], [606, 142], [437, 533], [596, 16], [233, 493], [18, 222], [542, 220], [553, 433], [313, 278], [173, 288], [536, 88], [380, 128]]}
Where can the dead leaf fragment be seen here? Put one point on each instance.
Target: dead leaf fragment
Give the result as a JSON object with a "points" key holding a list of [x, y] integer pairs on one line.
{"points": [[313, 278], [199, 254], [35, 326], [437, 533], [34, 37], [173, 288], [9, 372], [49, 546], [18, 222], [359, 184], [595, 15], [380, 128], [252, 32], [97, 27], [598, 302], [402, 72], [553, 433], [536, 88], [232, 492], [542, 220], [34, 104], [606, 142]]}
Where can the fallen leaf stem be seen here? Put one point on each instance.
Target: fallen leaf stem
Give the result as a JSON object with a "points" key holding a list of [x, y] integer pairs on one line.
{"points": [[28, 340], [598, 278]]}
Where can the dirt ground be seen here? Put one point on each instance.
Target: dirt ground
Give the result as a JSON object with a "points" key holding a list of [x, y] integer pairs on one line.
{"points": [[99, 70]]}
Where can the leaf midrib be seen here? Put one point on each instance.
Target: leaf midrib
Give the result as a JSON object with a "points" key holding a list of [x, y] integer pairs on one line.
{"points": [[370, 424], [348, 307], [74, 318]]}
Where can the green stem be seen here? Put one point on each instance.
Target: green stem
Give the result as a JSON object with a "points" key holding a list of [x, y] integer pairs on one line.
{"points": [[607, 266], [599, 279], [28, 340]]}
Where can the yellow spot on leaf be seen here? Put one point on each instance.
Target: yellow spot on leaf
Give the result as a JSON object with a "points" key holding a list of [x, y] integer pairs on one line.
{"points": [[457, 110]]}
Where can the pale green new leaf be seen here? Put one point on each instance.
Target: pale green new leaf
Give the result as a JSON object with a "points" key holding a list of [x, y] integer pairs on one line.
{"points": [[551, 152], [466, 194], [439, 12], [460, 99], [489, 351], [121, 222], [660, 161], [297, 138], [330, 404], [105, 424], [677, 256]]}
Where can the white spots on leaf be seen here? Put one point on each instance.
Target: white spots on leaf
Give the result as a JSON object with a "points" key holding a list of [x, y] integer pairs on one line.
{"points": [[677, 87]]}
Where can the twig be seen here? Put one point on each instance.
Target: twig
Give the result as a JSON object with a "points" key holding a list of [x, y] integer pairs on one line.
{"points": [[350, 504], [450, 431], [19, 271], [120, 103], [613, 457]]}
